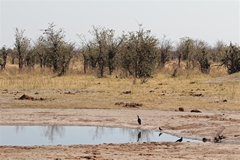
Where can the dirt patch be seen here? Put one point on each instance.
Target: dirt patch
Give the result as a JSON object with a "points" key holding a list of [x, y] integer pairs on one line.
{"points": [[131, 105], [152, 150], [127, 92], [26, 97], [195, 110]]}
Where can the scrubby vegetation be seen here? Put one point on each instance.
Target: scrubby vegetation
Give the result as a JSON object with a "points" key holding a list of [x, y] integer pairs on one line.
{"points": [[138, 54]]}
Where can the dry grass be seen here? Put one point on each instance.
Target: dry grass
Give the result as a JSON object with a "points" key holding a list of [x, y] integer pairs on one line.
{"points": [[86, 91]]}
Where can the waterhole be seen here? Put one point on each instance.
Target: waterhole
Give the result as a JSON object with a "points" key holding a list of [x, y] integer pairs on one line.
{"points": [[71, 135]]}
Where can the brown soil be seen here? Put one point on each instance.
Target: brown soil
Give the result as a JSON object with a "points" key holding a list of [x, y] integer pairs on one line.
{"points": [[206, 124]]}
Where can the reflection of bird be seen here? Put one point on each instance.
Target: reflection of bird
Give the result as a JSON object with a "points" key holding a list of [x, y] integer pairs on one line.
{"points": [[139, 136], [179, 140], [139, 120], [160, 129], [159, 134]]}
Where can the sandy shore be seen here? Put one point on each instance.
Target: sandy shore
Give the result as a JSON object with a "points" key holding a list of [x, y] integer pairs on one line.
{"points": [[206, 124]]}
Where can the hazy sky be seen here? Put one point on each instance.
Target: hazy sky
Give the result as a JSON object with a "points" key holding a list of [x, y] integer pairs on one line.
{"points": [[208, 20]]}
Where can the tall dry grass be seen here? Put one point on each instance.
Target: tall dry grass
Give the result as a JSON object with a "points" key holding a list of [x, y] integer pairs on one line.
{"points": [[77, 90]]}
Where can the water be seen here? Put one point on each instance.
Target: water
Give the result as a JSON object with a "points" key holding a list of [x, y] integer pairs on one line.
{"points": [[70, 135]]}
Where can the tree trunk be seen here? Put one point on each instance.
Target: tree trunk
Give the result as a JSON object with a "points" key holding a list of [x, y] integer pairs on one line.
{"points": [[20, 58]]}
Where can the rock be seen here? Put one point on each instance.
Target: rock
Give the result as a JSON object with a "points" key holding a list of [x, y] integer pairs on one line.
{"points": [[181, 109], [196, 94], [195, 110], [26, 97], [119, 103], [127, 92], [133, 105]]}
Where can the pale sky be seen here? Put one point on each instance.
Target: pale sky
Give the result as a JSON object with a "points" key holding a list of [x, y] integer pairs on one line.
{"points": [[208, 20]]}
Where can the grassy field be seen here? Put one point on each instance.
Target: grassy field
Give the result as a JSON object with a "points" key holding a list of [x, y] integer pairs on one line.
{"points": [[188, 90]]}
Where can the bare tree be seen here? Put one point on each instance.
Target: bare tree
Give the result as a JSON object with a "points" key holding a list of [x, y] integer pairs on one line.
{"points": [[164, 51], [21, 43]]}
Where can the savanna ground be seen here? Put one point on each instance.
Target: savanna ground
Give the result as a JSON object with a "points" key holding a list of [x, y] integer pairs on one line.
{"points": [[115, 102]]}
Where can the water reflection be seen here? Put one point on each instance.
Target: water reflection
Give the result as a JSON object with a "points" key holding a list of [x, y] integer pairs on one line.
{"points": [[69, 135], [48, 131], [21, 128], [139, 136], [99, 131], [142, 135], [53, 131]]}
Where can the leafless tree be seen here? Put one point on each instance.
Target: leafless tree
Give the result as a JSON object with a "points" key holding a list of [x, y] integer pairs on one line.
{"points": [[165, 51], [22, 44]]}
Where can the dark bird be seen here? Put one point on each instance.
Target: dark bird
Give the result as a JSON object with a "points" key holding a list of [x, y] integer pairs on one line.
{"points": [[160, 129], [179, 140], [217, 140], [206, 139], [139, 120]]}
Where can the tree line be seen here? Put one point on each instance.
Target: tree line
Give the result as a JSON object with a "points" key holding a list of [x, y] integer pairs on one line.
{"points": [[137, 53]]}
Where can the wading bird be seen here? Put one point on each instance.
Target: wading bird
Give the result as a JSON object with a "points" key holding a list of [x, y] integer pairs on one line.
{"points": [[179, 140], [160, 129], [139, 120]]}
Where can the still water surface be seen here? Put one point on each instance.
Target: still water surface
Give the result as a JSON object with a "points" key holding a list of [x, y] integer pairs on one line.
{"points": [[70, 135]]}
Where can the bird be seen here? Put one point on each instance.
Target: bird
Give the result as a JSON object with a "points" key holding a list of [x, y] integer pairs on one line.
{"points": [[160, 129], [221, 137], [217, 140], [159, 134], [205, 139], [139, 120], [179, 140]]}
